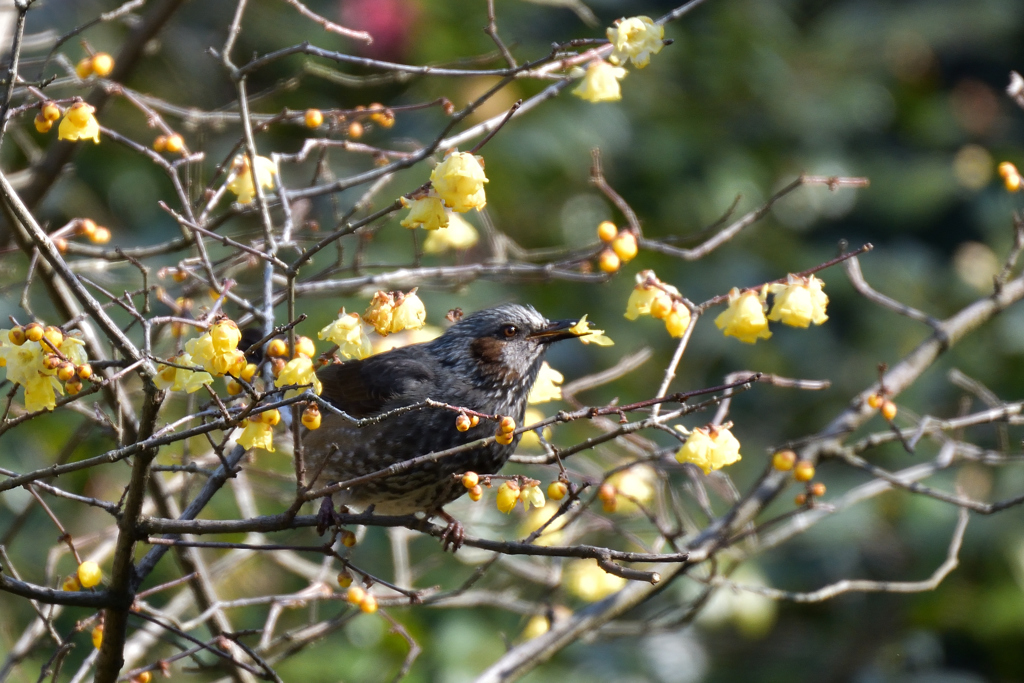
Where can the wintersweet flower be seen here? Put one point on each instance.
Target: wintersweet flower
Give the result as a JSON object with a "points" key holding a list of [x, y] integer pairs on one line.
{"points": [[710, 448], [799, 302], [426, 212], [299, 371], [410, 313], [347, 332], [677, 320], [532, 495], [79, 123], [241, 179], [636, 38], [216, 350], [744, 318], [380, 312], [180, 379], [459, 181], [600, 82], [587, 335], [41, 392], [256, 434], [458, 236], [546, 386]]}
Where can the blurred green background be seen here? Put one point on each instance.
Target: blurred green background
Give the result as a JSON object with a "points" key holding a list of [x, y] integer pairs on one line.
{"points": [[750, 94]]}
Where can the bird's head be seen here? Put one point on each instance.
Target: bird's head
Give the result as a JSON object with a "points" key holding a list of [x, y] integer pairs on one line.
{"points": [[504, 344]]}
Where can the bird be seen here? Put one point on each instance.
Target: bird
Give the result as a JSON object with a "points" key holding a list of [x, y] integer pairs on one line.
{"points": [[486, 362]]}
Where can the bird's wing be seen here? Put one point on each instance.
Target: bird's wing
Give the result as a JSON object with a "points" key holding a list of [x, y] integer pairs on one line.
{"points": [[365, 387]]}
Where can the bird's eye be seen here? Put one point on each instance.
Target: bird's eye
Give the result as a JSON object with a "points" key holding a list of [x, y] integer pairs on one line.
{"points": [[509, 331]]}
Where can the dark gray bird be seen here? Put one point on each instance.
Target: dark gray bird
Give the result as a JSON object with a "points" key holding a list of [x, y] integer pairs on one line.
{"points": [[486, 362]]}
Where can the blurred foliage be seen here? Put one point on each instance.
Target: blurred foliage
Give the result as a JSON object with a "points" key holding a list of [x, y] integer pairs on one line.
{"points": [[751, 93]]}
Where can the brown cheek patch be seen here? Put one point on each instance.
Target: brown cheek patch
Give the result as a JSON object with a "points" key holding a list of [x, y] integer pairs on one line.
{"points": [[488, 351]]}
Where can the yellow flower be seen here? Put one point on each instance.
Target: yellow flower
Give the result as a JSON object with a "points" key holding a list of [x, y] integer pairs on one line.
{"points": [[74, 349], [508, 494], [459, 236], [640, 300], [225, 336], [799, 302], [217, 356], [257, 434], [744, 318], [241, 179], [586, 580], [79, 124], [347, 332], [532, 495], [709, 448], [600, 82], [380, 312], [459, 180], [410, 313], [636, 38], [587, 335], [426, 212], [89, 574], [298, 371], [678, 319], [545, 387], [39, 392], [177, 379]]}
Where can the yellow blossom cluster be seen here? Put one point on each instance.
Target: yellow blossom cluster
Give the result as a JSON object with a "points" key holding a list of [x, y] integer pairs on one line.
{"points": [[509, 493], [394, 311], [1010, 175], [622, 246], [45, 362], [457, 183], [347, 332], [216, 350], [709, 448], [798, 302], [636, 39], [242, 181], [258, 430], [662, 301], [79, 123]]}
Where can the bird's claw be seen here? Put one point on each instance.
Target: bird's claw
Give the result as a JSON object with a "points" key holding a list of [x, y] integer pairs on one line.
{"points": [[454, 534]]}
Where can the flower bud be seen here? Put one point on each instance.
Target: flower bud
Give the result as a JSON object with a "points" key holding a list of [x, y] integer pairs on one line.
{"points": [[305, 347], [507, 425], [344, 579], [606, 231], [476, 493], [508, 494], [84, 371], [313, 118], [875, 401], [609, 261], [270, 417], [355, 130], [462, 422], [233, 387], [102, 64], [97, 637], [175, 143], [71, 584], [17, 336], [503, 439], [84, 68], [348, 539], [368, 605], [50, 112], [42, 125], [625, 246], [557, 490], [470, 479], [248, 372], [783, 461], [355, 595], [89, 574], [277, 348], [160, 143], [817, 489], [888, 410], [800, 499], [101, 236], [33, 332], [804, 471], [311, 417], [65, 371], [53, 335]]}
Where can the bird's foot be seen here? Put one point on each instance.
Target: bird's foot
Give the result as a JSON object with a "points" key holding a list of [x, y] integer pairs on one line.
{"points": [[454, 534], [325, 516]]}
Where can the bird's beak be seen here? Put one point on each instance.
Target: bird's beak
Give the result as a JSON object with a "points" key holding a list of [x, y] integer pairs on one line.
{"points": [[556, 330]]}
